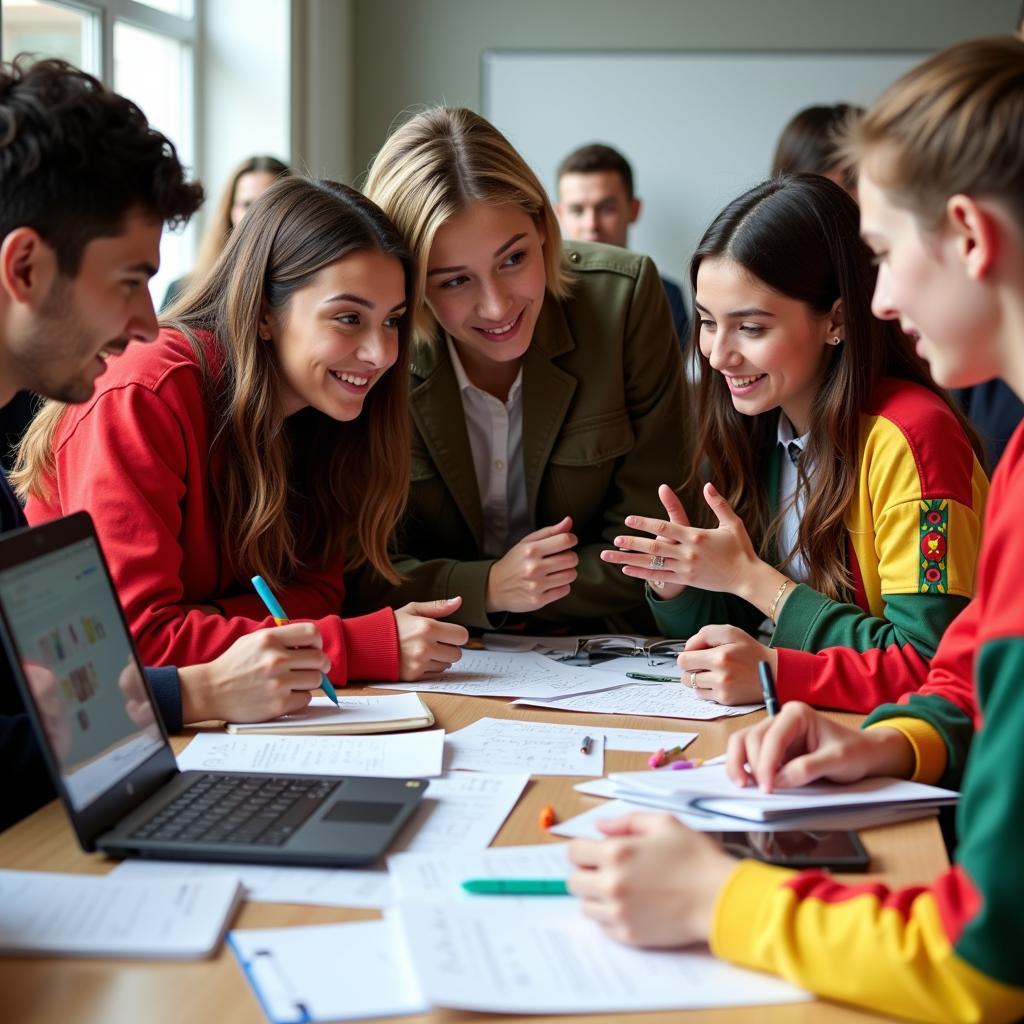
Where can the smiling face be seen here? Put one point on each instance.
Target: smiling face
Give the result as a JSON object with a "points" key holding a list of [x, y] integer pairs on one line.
{"points": [[770, 349], [924, 284], [59, 349], [486, 283], [338, 335]]}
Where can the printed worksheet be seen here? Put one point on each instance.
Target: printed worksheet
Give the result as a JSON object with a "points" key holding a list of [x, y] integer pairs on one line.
{"points": [[510, 674], [540, 748], [388, 756], [660, 700], [439, 876], [532, 958]]}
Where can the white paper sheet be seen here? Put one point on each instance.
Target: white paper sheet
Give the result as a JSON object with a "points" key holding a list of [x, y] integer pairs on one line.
{"points": [[328, 887], [710, 789], [644, 741], [584, 826], [439, 876], [531, 958], [461, 811], [349, 712], [82, 915], [660, 700], [329, 972], [510, 674], [540, 748], [390, 756]]}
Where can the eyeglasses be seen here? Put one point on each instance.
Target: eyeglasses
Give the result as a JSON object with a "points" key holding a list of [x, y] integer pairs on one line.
{"points": [[658, 652]]}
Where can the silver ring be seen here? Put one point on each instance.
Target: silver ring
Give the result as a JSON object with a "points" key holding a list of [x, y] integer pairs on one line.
{"points": [[657, 562], [660, 584], [693, 680]]}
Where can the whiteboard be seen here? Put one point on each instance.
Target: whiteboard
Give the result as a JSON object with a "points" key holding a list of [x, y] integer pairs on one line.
{"points": [[698, 127]]}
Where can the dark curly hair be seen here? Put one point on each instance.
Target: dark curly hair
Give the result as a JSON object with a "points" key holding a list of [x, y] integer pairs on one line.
{"points": [[75, 158]]}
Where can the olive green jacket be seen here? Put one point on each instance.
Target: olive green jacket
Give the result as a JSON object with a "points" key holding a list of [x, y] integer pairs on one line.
{"points": [[603, 426]]}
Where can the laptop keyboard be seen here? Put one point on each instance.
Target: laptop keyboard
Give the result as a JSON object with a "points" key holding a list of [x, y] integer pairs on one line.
{"points": [[217, 808]]}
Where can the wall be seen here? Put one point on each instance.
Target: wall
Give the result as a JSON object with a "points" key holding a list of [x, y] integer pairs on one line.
{"points": [[412, 52]]}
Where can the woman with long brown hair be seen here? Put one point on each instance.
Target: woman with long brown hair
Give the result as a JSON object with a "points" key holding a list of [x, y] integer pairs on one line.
{"points": [[846, 486], [263, 432]]}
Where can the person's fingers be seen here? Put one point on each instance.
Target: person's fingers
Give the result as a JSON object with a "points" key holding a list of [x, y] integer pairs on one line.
{"points": [[656, 527], [697, 661], [722, 509], [549, 531], [673, 506], [432, 609], [626, 825], [295, 701], [557, 580], [295, 658], [598, 908], [808, 768], [294, 634], [303, 680], [786, 733], [586, 853], [698, 642], [549, 546], [736, 758], [718, 634]]}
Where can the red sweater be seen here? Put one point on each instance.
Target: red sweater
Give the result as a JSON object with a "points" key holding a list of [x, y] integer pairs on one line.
{"points": [[137, 457]]}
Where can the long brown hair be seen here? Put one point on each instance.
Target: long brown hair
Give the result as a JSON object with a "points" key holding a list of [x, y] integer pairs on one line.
{"points": [[799, 236], [305, 489], [219, 227]]}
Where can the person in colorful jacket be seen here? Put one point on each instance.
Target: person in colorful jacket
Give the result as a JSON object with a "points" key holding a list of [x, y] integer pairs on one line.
{"points": [[855, 492], [263, 432], [941, 184]]}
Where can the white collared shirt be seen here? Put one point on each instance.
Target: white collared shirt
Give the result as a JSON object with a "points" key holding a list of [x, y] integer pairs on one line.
{"points": [[791, 506], [495, 431]]}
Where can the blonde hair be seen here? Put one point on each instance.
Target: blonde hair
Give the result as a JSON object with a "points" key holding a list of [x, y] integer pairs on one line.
{"points": [[439, 162], [215, 237], [302, 490], [952, 124]]}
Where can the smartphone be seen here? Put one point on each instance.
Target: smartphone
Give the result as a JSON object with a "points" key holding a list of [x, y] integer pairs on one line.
{"points": [[840, 850]]}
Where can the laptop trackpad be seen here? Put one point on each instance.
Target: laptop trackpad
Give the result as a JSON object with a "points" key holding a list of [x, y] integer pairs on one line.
{"points": [[363, 811]]}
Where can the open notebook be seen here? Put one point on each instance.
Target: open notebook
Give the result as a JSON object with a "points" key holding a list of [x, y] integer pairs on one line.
{"points": [[352, 715]]}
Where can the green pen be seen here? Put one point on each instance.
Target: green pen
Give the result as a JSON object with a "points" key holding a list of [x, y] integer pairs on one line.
{"points": [[517, 886], [644, 677]]}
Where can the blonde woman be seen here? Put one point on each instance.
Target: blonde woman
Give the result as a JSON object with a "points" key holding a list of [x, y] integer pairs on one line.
{"points": [[547, 397], [261, 433]]}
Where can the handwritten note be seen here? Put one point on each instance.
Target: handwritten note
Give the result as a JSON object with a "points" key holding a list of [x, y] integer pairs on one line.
{"points": [[416, 754], [550, 959], [461, 811], [511, 674], [661, 700], [540, 748]]}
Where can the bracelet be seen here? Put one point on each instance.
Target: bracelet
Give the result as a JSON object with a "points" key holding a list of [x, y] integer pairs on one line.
{"points": [[776, 599]]}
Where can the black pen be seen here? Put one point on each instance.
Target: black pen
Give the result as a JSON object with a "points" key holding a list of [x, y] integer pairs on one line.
{"points": [[586, 745], [771, 700]]}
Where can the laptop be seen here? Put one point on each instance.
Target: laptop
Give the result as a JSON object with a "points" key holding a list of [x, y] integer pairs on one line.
{"points": [[69, 648]]}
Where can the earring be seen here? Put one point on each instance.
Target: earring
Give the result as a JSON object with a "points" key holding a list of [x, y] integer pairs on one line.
{"points": [[836, 341]]}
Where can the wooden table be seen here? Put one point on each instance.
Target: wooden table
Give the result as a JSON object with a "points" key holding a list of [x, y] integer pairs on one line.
{"points": [[37, 991]]}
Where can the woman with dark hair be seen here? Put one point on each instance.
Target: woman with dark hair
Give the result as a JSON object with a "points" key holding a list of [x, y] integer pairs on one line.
{"points": [[262, 432], [809, 144], [851, 491]]}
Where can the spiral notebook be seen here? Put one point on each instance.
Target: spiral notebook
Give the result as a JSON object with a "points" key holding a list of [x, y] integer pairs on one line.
{"points": [[400, 713]]}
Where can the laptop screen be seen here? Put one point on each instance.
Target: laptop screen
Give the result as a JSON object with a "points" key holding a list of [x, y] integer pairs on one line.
{"points": [[80, 667]]}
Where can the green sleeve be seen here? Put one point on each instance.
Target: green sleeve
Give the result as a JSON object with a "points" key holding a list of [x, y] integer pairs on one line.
{"points": [[949, 721], [684, 615], [809, 621]]}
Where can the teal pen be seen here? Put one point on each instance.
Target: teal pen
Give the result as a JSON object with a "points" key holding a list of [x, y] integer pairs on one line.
{"points": [[652, 679], [517, 886], [277, 613]]}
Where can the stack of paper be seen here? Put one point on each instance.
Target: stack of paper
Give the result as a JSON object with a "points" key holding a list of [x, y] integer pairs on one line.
{"points": [[82, 915]]}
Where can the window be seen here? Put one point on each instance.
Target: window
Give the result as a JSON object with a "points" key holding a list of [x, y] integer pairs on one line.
{"points": [[146, 51]]}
